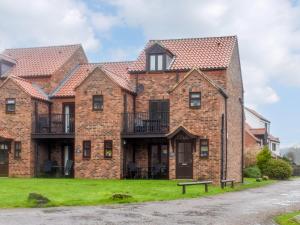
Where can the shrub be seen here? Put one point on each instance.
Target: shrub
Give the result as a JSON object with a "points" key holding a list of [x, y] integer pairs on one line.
{"points": [[37, 200], [252, 172], [262, 158], [265, 177], [278, 169]]}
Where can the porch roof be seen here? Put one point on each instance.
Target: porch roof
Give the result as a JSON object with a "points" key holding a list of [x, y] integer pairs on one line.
{"points": [[181, 129], [5, 135]]}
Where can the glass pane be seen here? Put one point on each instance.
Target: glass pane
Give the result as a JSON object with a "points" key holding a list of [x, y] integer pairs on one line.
{"points": [[10, 101], [152, 62], [195, 95], [154, 155], [195, 102], [181, 153], [108, 153], [159, 62]]}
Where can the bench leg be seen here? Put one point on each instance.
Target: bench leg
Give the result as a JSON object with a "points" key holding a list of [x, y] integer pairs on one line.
{"points": [[222, 185], [183, 189], [206, 188], [232, 184]]}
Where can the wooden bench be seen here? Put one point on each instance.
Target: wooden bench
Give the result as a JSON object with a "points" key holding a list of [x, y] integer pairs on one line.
{"points": [[206, 183], [224, 182]]}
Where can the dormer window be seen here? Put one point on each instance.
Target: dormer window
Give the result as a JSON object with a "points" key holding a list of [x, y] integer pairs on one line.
{"points": [[5, 64], [158, 58], [156, 62]]}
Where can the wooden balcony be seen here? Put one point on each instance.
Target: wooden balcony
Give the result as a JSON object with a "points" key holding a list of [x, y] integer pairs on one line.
{"points": [[141, 124], [54, 126]]}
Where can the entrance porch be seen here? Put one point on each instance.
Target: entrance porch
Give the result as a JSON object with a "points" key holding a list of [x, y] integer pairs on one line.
{"points": [[54, 158], [146, 158]]}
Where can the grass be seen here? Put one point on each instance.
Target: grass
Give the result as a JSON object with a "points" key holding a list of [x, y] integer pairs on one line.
{"points": [[77, 192], [287, 218]]}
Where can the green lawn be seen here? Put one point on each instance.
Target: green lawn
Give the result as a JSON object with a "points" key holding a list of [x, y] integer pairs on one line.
{"points": [[71, 192], [287, 218]]}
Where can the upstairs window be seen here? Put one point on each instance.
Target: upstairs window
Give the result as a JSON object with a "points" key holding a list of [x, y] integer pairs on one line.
{"points": [[195, 100], [17, 152], [156, 62], [10, 105], [98, 103], [158, 58]]}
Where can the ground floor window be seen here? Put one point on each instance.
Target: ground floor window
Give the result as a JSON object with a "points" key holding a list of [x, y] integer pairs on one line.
{"points": [[204, 148], [17, 153], [108, 149], [86, 149]]}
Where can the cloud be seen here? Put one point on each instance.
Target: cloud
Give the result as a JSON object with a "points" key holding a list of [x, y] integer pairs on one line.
{"points": [[27, 23], [268, 32]]}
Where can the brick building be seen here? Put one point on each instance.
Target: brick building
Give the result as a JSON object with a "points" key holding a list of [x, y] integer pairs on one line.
{"points": [[175, 112]]}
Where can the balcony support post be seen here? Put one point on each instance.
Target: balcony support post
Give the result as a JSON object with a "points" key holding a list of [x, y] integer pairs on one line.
{"points": [[49, 116]]}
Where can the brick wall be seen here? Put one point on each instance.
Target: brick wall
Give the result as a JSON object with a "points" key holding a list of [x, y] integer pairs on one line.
{"points": [[204, 122], [251, 150], [234, 115], [19, 125], [100, 126]]}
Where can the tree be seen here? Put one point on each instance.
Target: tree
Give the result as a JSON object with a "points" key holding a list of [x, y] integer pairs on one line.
{"points": [[263, 157]]}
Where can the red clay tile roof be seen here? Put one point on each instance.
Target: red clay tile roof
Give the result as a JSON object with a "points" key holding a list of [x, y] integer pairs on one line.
{"points": [[258, 131], [257, 114], [272, 138], [5, 134], [248, 130], [200, 53], [39, 61], [31, 89], [115, 70]]}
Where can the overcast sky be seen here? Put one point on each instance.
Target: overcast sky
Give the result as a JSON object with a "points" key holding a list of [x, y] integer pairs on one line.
{"points": [[268, 32]]}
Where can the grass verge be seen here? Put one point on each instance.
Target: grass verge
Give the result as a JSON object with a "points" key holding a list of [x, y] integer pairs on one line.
{"points": [[77, 192], [288, 218]]}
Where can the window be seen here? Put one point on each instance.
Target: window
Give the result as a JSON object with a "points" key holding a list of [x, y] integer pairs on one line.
{"points": [[98, 102], [195, 99], [86, 149], [204, 148], [159, 62], [273, 146], [152, 62], [10, 105], [17, 153], [108, 149], [156, 62]]}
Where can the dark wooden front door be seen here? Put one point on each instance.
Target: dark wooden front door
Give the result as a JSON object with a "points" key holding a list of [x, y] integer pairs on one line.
{"points": [[4, 148], [159, 161], [184, 160]]}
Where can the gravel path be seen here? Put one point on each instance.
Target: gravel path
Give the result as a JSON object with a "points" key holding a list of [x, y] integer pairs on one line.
{"points": [[252, 206]]}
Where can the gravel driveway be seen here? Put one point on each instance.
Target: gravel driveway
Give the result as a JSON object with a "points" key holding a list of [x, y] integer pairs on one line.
{"points": [[252, 206]]}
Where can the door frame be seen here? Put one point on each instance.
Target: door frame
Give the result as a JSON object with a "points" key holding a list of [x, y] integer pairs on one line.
{"points": [[71, 157], [159, 150], [192, 150], [64, 104], [8, 143]]}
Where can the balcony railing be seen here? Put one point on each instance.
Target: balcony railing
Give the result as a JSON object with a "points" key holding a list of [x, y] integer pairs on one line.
{"points": [[146, 123], [54, 124]]}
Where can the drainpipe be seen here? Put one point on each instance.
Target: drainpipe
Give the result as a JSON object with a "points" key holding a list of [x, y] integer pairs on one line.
{"points": [[243, 119], [226, 142]]}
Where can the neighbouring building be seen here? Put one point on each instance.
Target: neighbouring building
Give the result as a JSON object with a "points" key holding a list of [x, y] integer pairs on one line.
{"points": [[175, 113], [258, 127]]}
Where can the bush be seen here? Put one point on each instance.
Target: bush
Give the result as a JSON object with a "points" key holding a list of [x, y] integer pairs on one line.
{"points": [[278, 169], [252, 172], [262, 158]]}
